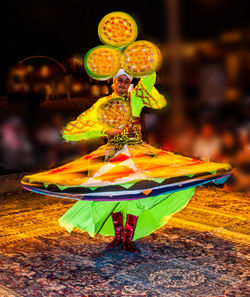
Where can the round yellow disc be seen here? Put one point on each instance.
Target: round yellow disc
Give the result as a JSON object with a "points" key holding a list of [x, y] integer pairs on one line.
{"points": [[117, 29], [115, 113], [141, 58], [102, 62]]}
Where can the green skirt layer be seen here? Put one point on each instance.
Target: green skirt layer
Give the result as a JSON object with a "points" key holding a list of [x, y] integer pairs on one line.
{"points": [[154, 212]]}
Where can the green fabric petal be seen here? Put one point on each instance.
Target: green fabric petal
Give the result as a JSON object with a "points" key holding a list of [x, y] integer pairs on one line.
{"points": [[158, 179], [61, 188], [128, 185], [213, 171], [93, 188]]}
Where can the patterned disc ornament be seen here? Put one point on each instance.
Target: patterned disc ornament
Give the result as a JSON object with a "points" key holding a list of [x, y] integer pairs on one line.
{"points": [[117, 29], [115, 113], [141, 58], [102, 62]]}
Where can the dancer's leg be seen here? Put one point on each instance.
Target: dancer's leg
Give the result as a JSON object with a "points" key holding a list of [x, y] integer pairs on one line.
{"points": [[128, 234], [118, 226]]}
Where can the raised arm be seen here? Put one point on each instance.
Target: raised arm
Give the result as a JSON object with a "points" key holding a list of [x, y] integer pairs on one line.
{"points": [[145, 94]]}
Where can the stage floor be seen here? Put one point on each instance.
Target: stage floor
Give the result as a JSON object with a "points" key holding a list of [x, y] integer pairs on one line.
{"points": [[202, 251]]}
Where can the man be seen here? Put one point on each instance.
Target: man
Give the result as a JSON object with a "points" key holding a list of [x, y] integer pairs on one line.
{"points": [[120, 87]]}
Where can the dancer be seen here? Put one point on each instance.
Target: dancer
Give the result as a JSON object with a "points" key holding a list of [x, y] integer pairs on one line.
{"points": [[126, 188], [124, 165]]}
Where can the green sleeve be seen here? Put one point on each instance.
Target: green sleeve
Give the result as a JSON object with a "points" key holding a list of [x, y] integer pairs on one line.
{"points": [[145, 94]]}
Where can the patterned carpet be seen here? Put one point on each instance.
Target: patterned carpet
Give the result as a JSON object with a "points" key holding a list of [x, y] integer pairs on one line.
{"points": [[201, 252]]}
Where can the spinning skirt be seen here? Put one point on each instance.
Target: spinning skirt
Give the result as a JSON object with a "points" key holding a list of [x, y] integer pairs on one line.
{"points": [[136, 179]]}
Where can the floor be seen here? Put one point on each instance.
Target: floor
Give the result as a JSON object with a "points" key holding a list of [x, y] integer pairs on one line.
{"points": [[202, 251]]}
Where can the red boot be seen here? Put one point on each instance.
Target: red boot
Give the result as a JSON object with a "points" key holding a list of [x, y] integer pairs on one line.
{"points": [[118, 225], [127, 244]]}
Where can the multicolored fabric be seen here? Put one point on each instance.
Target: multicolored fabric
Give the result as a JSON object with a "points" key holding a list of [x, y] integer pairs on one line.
{"points": [[130, 165], [131, 134], [124, 169]]}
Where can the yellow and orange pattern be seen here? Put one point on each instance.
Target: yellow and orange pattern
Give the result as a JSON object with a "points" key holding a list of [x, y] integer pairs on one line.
{"points": [[129, 165], [102, 62], [141, 58], [117, 29], [115, 113]]}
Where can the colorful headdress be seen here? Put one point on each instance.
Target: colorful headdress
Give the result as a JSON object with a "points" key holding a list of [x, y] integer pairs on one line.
{"points": [[118, 31]]}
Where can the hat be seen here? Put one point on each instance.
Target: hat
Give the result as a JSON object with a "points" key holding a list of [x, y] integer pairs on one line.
{"points": [[122, 72]]}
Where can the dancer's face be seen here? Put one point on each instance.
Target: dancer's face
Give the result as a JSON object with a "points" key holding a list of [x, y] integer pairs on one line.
{"points": [[121, 84]]}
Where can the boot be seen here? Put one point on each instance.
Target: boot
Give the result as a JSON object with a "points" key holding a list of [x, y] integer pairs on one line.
{"points": [[127, 244], [118, 226]]}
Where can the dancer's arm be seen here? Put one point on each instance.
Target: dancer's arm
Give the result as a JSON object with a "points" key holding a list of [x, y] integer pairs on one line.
{"points": [[86, 125], [145, 94]]}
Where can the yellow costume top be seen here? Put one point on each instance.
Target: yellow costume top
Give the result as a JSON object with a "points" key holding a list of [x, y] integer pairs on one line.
{"points": [[88, 126]]}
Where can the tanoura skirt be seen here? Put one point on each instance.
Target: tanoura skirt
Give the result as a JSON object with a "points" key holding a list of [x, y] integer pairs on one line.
{"points": [[136, 179]]}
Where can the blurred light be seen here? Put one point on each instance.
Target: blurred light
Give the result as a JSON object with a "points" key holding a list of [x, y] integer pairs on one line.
{"points": [[233, 66], [232, 94], [234, 36], [95, 90], [77, 86], [45, 71], [104, 90], [189, 50], [17, 81]]}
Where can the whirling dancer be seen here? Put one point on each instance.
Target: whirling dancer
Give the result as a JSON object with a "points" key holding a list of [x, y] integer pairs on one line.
{"points": [[127, 188]]}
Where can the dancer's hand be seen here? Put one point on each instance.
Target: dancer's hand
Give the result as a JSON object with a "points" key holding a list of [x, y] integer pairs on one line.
{"points": [[113, 131]]}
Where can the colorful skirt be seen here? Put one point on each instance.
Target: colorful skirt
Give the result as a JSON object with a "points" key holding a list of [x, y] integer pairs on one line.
{"points": [[136, 179]]}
